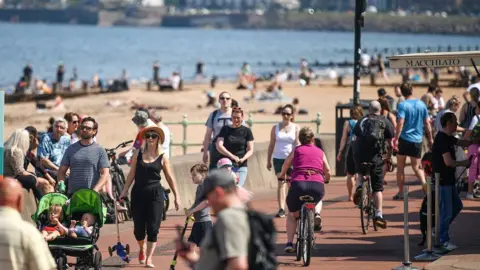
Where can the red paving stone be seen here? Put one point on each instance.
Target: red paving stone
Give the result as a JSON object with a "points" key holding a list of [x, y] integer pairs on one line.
{"points": [[341, 244]]}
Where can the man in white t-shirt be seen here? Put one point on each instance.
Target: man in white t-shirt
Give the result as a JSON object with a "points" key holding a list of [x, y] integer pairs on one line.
{"points": [[470, 87]]}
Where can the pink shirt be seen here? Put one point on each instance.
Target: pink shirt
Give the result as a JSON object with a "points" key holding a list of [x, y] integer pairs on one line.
{"points": [[307, 164]]}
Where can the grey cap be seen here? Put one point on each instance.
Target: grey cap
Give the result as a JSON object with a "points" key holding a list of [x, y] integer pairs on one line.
{"points": [[217, 178], [140, 118]]}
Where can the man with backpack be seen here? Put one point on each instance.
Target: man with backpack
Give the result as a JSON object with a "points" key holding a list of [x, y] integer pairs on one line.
{"points": [[216, 120], [372, 133], [240, 238]]}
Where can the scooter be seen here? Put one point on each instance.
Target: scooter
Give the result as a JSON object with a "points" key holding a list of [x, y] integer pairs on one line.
{"points": [[181, 234]]}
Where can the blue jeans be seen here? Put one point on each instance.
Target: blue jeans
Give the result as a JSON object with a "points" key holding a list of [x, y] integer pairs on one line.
{"points": [[450, 207], [242, 173]]}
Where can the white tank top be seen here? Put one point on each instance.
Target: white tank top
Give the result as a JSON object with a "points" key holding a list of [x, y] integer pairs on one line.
{"points": [[284, 142]]}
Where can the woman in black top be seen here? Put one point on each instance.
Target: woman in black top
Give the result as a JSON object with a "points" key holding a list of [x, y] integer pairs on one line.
{"points": [[147, 193], [236, 143]]}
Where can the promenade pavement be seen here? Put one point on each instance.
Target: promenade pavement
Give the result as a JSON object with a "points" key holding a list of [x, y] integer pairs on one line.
{"points": [[341, 244]]}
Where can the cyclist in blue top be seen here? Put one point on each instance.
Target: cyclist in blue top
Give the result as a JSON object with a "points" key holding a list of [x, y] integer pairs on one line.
{"points": [[356, 113], [413, 119]]}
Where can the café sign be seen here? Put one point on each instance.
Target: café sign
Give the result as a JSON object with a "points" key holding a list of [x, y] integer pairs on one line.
{"points": [[431, 60]]}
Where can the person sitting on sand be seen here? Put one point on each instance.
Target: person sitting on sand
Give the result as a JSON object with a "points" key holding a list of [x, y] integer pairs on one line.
{"points": [[84, 228], [246, 78], [174, 82]]}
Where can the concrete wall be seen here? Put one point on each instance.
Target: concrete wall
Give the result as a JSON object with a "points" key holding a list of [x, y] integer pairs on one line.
{"points": [[259, 178]]}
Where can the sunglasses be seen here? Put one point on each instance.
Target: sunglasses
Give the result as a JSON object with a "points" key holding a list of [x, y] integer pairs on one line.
{"points": [[225, 98], [60, 127], [286, 114], [151, 136], [74, 122], [86, 128]]}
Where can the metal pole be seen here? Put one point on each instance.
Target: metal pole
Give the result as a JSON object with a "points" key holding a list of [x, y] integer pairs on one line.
{"points": [[357, 50], [438, 249], [2, 106], [428, 254], [185, 143], [406, 264]]}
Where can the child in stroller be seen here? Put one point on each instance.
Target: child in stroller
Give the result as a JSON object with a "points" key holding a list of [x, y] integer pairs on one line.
{"points": [[54, 228], [84, 228]]}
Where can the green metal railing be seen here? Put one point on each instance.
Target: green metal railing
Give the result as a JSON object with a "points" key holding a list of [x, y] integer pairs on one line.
{"points": [[250, 122]]}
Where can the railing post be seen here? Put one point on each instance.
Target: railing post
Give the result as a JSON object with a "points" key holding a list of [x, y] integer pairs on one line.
{"points": [[249, 120], [184, 142], [318, 122]]}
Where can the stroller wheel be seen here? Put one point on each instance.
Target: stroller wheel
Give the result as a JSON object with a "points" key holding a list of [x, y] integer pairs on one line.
{"points": [[476, 189], [97, 261], [110, 251], [127, 249], [62, 263]]}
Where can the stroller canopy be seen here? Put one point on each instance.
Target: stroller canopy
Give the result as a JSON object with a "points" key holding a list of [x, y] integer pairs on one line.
{"points": [[87, 201], [47, 201]]}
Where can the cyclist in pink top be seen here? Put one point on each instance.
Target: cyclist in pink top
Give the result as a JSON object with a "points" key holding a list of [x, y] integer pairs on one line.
{"points": [[310, 172]]}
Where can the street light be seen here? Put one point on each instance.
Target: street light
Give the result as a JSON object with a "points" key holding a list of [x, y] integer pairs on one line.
{"points": [[360, 8]]}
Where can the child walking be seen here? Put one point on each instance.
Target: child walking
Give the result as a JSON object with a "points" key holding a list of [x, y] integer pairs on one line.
{"points": [[200, 209]]}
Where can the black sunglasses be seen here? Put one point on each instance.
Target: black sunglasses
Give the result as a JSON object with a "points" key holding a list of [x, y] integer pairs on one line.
{"points": [[74, 122], [151, 136], [286, 114], [86, 128], [225, 98]]}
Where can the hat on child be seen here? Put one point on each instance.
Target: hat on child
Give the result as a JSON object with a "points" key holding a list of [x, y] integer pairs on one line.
{"points": [[224, 162]]}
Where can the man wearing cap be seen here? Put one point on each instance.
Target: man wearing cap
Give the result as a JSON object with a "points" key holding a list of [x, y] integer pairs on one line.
{"points": [[226, 246], [87, 161]]}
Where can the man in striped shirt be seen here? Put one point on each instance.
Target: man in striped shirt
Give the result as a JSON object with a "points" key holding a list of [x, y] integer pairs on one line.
{"points": [[22, 246], [87, 160]]}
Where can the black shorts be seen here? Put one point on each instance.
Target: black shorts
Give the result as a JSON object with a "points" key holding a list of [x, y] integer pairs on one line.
{"points": [[409, 149], [199, 230], [350, 161], [376, 175], [301, 188]]}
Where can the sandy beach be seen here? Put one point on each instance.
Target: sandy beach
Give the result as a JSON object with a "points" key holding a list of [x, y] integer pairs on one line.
{"points": [[115, 125]]}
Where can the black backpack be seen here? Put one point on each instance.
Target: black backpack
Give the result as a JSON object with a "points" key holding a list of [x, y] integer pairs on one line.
{"points": [[262, 244], [372, 134]]}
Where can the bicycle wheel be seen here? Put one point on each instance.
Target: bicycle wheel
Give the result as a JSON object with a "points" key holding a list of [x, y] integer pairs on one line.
{"points": [[308, 237], [365, 207], [299, 244], [118, 190], [127, 201]]}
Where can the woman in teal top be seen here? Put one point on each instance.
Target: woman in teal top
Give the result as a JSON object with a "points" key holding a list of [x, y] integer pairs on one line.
{"points": [[356, 113]]}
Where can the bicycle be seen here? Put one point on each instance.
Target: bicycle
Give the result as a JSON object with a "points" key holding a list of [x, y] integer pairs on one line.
{"points": [[116, 173], [367, 202], [305, 234]]}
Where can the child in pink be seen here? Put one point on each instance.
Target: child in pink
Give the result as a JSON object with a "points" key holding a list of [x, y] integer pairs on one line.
{"points": [[243, 194], [474, 170]]}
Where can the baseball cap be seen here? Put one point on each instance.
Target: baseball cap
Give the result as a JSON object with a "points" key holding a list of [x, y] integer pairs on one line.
{"points": [[217, 178], [140, 118], [224, 162]]}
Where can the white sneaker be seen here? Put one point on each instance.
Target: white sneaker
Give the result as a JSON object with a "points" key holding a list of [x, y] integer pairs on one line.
{"points": [[449, 246]]}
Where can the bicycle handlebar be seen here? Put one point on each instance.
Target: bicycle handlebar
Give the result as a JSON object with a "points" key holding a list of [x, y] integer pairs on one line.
{"points": [[123, 144]]}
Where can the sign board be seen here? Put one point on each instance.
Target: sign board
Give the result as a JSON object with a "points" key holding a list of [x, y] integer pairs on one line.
{"points": [[433, 60]]}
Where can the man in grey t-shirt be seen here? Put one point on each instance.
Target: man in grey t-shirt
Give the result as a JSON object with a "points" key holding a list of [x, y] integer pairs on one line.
{"points": [[216, 120], [87, 160], [226, 245]]}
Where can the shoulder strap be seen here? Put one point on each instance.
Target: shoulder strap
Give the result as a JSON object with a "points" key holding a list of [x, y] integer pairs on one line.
{"points": [[212, 121]]}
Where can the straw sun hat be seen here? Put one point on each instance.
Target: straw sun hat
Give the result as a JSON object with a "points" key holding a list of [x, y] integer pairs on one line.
{"points": [[153, 128]]}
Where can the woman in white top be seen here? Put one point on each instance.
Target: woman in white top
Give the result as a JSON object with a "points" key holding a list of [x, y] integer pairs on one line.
{"points": [[283, 139]]}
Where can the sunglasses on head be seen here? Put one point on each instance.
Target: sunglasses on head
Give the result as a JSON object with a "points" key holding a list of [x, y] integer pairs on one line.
{"points": [[151, 136], [225, 98], [86, 128]]}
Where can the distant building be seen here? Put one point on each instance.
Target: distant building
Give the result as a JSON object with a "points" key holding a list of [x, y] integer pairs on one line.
{"points": [[153, 3]]}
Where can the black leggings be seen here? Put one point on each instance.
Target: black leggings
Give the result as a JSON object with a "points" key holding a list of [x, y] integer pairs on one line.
{"points": [[147, 210], [29, 182]]}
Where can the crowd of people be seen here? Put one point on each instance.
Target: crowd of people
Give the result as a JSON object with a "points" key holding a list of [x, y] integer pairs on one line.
{"points": [[405, 126], [68, 158]]}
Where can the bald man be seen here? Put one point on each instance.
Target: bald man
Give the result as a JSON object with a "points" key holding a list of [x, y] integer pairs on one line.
{"points": [[372, 132], [21, 244]]}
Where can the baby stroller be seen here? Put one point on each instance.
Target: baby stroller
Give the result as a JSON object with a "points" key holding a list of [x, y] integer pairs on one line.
{"points": [[82, 201]]}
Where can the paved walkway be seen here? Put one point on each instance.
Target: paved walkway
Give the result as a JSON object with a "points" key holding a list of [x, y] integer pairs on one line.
{"points": [[341, 244]]}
